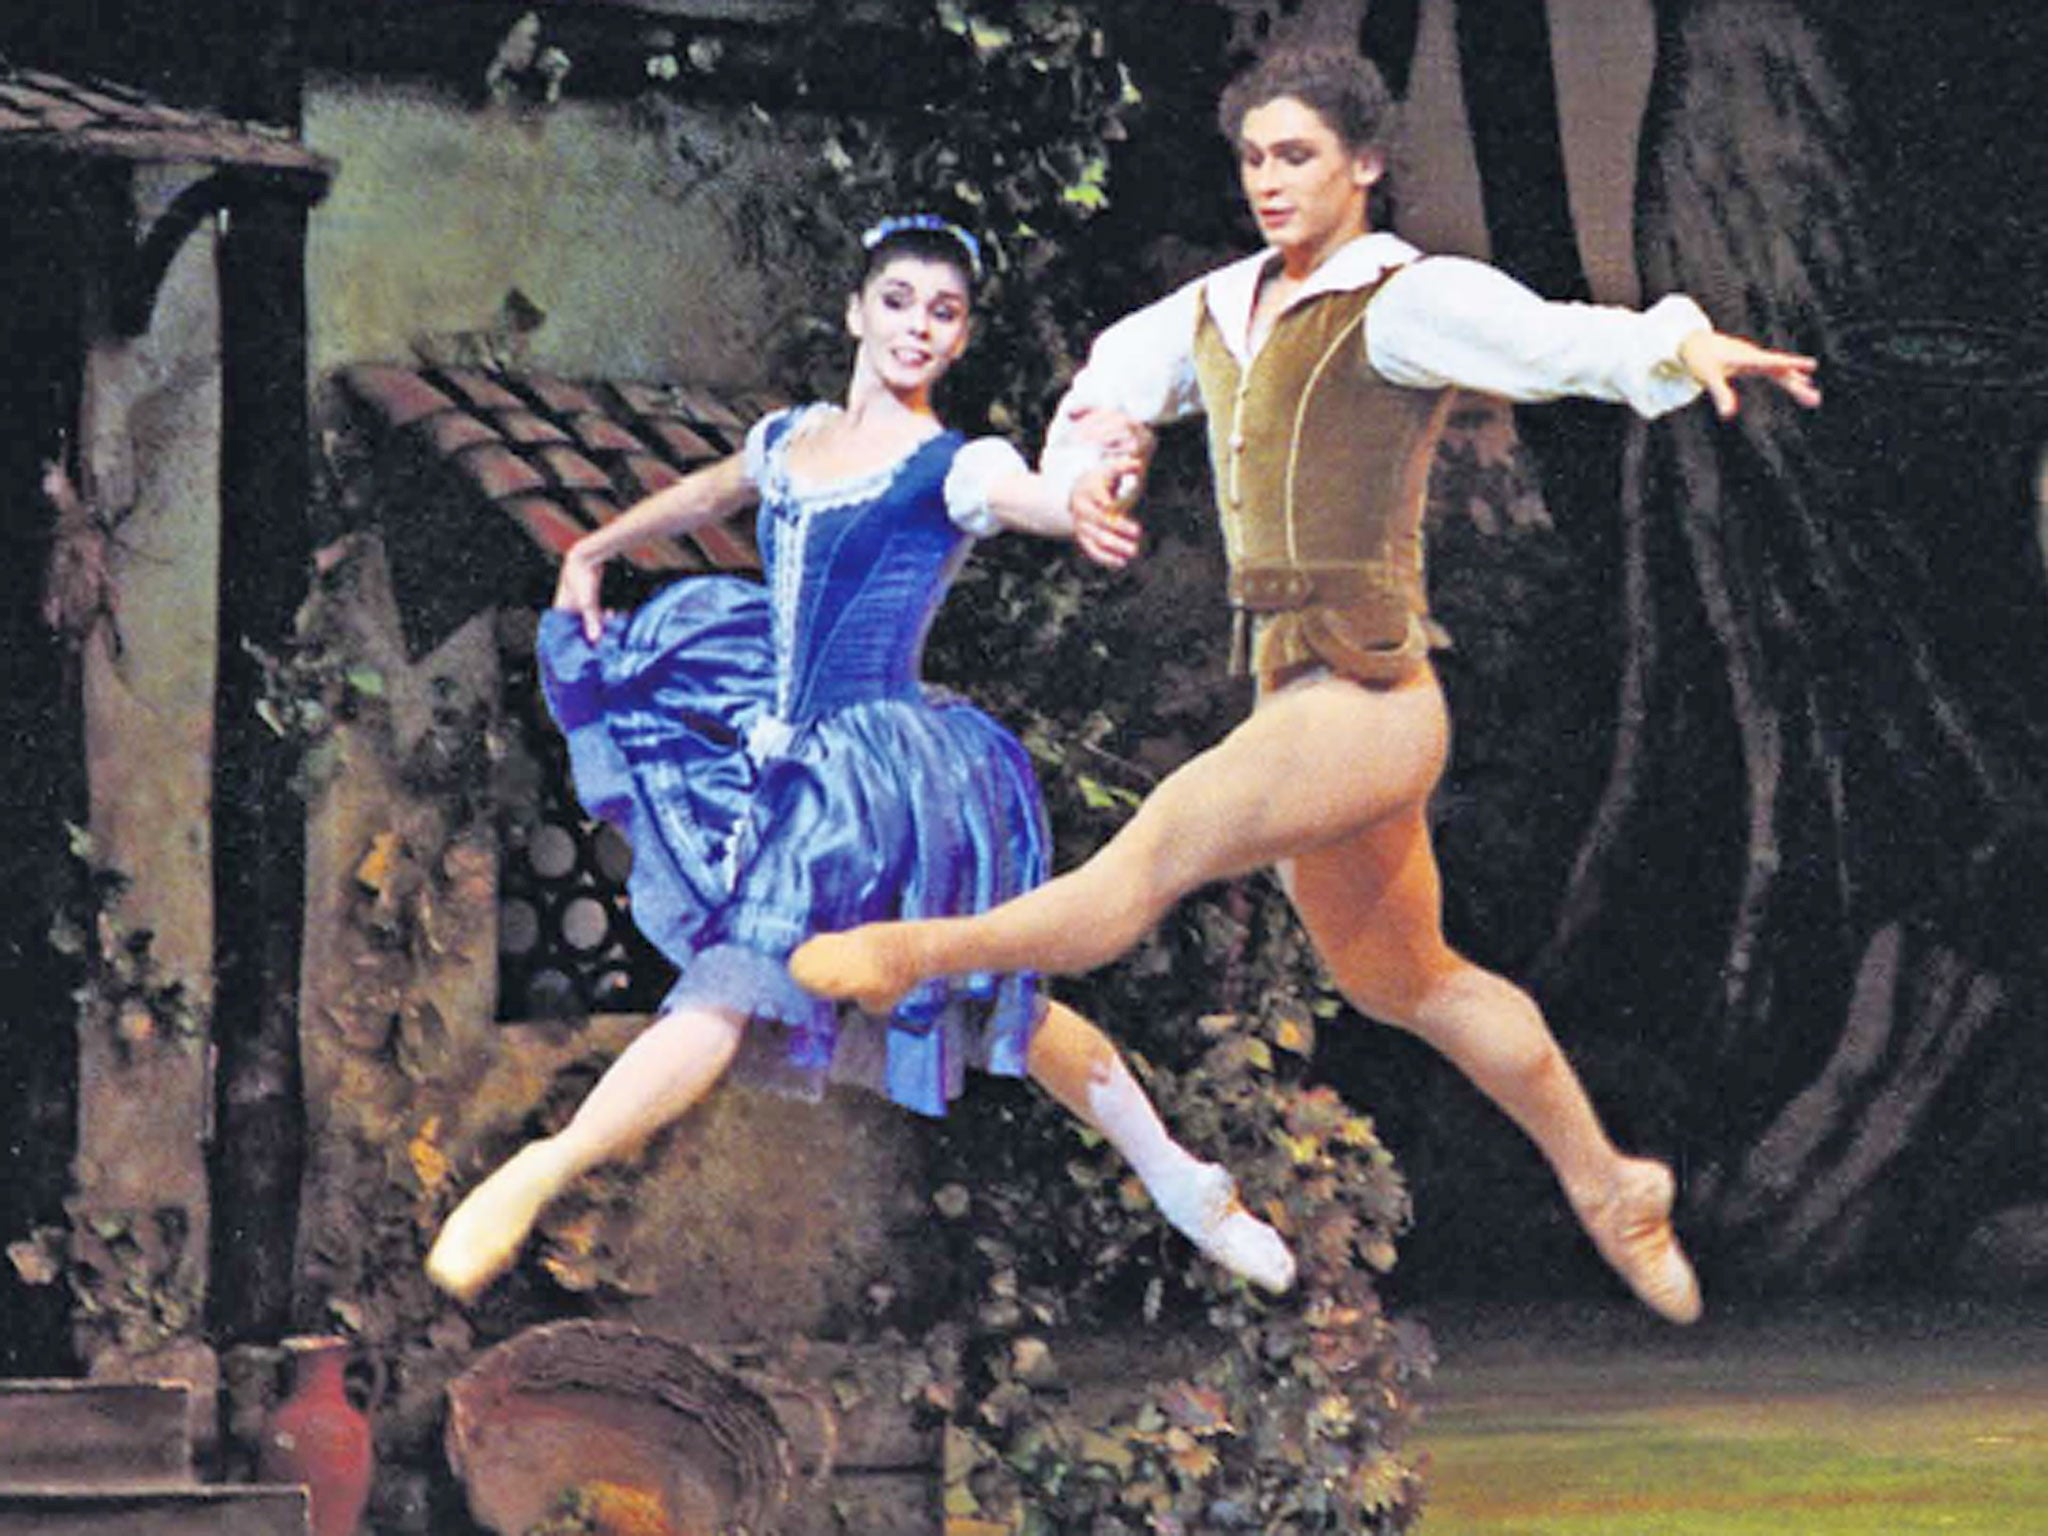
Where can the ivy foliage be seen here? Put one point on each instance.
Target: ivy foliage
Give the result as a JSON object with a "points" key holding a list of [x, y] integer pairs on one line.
{"points": [[1298, 1418], [125, 993], [1003, 115]]}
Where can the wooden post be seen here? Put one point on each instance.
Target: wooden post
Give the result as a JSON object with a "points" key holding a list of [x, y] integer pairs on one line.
{"points": [[150, 445]]}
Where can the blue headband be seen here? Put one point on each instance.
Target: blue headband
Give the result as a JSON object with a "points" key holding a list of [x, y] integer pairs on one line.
{"points": [[903, 223]]}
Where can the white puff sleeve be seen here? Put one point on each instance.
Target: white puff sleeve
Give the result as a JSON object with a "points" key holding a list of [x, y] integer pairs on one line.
{"points": [[977, 469], [754, 451]]}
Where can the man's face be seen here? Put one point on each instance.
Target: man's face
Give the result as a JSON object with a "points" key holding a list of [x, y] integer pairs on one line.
{"points": [[1305, 187]]}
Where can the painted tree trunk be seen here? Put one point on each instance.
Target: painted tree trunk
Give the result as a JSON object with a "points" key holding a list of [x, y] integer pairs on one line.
{"points": [[1830, 746]]}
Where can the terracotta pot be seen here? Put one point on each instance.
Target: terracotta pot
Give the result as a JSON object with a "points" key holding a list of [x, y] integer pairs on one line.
{"points": [[320, 1437]]}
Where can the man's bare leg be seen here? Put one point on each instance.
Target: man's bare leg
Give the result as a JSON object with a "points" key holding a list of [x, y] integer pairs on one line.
{"points": [[666, 1070], [1315, 762], [1075, 1062], [1373, 908]]}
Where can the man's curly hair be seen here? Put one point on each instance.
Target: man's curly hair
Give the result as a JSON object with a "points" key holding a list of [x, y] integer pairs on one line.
{"points": [[1344, 89]]}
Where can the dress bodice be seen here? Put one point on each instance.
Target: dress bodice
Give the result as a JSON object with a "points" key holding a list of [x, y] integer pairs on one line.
{"points": [[856, 570]]}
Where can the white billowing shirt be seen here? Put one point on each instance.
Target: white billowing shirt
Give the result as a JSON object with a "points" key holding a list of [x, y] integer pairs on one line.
{"points": [[1443, 322]]}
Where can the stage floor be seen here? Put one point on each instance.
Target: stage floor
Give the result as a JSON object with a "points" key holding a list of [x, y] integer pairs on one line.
{"points": [[1822, 1420]]}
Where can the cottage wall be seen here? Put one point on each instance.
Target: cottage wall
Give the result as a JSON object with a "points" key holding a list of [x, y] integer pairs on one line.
{"points": [[626, 233]]}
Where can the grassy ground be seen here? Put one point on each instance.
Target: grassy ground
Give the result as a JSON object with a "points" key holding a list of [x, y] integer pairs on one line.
{"points": [[1873, 1420]]}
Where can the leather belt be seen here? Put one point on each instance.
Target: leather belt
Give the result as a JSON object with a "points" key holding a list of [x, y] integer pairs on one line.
{"points": [[1286, 588]]}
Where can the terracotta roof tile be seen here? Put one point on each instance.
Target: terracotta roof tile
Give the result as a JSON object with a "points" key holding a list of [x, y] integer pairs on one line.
{"points": [[452, 431], [683, 443], [482, 389], [400, 394], [515, 440], [561, 396], [525, 427], [651, 474], [649, 399], [499, 472], [700, 405], [600, 434], [103, 120], [127, 110], [546, 523], [574, 471], [724, 549], [56, 113], [716, 421]]}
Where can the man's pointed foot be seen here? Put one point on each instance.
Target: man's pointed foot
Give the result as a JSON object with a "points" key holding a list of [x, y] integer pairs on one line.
{"points": [[868, 966], [1631, 1226]]}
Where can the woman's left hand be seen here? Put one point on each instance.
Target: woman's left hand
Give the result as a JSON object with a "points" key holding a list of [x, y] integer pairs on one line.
{"points": [[1717, 360]]}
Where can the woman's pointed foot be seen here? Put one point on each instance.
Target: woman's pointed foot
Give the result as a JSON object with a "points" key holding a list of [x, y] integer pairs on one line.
{"points": [[1631, 1226], [1202, 1204], [484, 1234], [870, 966]]}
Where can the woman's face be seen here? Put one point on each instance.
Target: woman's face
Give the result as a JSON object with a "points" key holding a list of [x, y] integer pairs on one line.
{"points": [[910, 318], [1305, 186]]}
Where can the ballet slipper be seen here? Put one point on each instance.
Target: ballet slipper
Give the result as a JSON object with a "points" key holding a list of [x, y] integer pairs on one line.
{"points": [[485, 1232], [1630, 1225], [870, 965], [1201, 1203]]}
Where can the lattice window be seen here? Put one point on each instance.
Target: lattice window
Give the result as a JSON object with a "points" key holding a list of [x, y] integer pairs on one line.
{"points": [[567, 946]]}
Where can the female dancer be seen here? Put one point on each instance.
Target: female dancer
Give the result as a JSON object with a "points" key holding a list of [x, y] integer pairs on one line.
{"points": [[1324, 365], [780, 770]]}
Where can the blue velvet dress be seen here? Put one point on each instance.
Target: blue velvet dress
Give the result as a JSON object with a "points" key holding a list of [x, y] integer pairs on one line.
{"points": [[780, 771]]}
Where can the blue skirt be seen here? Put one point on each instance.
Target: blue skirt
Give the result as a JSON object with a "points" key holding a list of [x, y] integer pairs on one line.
{"points": [[751, 834]]}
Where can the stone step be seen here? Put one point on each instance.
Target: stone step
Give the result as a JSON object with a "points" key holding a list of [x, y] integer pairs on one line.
{"points": [[89, 1434], [161, 1510]]}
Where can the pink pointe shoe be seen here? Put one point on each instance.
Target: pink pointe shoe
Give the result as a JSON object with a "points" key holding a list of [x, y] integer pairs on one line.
{"points": [[1631, 1227]]}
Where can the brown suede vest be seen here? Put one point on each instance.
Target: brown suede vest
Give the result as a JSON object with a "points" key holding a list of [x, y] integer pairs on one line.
{"points": [[1321, 469]]}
